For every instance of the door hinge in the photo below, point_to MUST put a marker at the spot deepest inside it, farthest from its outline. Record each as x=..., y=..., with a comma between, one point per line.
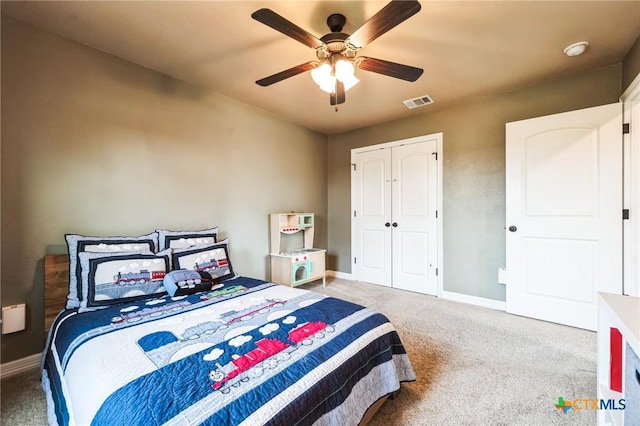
x=436, y=272
x=354, y=166
x=354, y=213
x=436, y=214
x=625, y=128
x=355, y=260
x=625, y=214
x=436, y=154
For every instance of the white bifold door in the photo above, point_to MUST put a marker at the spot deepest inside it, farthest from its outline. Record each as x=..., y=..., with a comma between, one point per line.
x=564, y=214
x=395, y=203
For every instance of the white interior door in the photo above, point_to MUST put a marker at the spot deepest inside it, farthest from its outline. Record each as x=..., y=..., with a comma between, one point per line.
x=372, y=196
x=414, y=210
x=564, y=214
x=631, y=229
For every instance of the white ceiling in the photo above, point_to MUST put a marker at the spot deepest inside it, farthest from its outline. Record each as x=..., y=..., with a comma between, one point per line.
x=466, y=48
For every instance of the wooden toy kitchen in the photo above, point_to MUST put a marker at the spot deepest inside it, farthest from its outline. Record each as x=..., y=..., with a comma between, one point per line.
x=297, y=265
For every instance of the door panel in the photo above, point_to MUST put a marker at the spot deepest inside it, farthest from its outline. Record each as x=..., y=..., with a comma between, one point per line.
x=552, y=188
x=372, y=255
x=372, y=184
x=413, y=183
x=564, y=202
x=546, y=273
x=414, y=205
x=374, y=202
x=414, y=252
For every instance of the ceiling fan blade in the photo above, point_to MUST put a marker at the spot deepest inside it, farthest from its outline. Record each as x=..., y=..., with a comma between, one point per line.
x=388, y=17
x=298, y=69
x=286, y=27
x=338, y=97
x=392, y=69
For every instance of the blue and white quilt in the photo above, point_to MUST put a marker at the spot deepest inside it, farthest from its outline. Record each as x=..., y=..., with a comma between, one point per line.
x=247, y=353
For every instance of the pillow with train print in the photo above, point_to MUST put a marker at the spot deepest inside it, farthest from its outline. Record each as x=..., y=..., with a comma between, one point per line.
x=185, y=239
x=77, y=244
x=122, y=277
x=213, y=258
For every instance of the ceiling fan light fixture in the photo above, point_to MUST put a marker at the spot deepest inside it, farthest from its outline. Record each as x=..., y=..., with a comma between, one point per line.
x=349, y=82
x=321, y=75
x=325, y=78
x=344, y=69
x=329, y=86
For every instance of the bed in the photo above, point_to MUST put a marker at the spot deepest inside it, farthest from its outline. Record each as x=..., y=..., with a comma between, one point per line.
x=242, y=351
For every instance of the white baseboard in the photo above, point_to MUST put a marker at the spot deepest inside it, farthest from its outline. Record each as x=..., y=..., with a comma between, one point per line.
x=447, y=295
x=338, y=274
x=12, y=368
x=474, y=300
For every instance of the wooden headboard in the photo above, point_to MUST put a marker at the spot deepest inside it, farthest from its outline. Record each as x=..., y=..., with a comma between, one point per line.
x=56, y=287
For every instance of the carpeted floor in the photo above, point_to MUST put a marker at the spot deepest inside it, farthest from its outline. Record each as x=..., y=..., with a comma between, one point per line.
x=474, y=366
x=479, y=366
x=22, y=400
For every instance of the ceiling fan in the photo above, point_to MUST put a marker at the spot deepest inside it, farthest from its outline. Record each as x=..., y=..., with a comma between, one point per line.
x=337, y=51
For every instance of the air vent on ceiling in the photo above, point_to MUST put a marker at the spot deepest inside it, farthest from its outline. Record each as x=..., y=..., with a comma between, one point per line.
x=418, y=102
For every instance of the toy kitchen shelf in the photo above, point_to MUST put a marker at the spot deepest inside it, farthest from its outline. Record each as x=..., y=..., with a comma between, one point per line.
x=300, y=265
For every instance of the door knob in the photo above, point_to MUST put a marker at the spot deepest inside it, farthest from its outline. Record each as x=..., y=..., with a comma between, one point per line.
x=513, y=228
x=387, y=224
x=394, y=224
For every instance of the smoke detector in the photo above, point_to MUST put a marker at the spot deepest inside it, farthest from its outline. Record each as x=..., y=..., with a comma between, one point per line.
x=576, y=49
x=418, y=102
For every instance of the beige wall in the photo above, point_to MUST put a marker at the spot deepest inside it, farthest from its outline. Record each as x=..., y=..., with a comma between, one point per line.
x=96, y=145
x=631, y=65
x=474, y=172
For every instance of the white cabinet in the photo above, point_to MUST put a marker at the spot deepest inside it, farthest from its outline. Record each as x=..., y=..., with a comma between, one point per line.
x=299, y=265
x=395, y=214
x=618, y=359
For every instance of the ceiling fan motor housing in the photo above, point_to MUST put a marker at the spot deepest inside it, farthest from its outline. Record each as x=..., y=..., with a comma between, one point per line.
x=334, y=42
x=336, y=22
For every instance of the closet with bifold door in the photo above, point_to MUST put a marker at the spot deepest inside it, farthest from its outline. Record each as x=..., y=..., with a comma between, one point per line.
x=395, y=191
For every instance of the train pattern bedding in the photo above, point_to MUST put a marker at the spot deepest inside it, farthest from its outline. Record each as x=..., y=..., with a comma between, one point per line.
x=245, y=352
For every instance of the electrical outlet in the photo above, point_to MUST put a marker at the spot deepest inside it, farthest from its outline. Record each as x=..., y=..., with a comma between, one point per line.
x=13, y=318
x=502, y=276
